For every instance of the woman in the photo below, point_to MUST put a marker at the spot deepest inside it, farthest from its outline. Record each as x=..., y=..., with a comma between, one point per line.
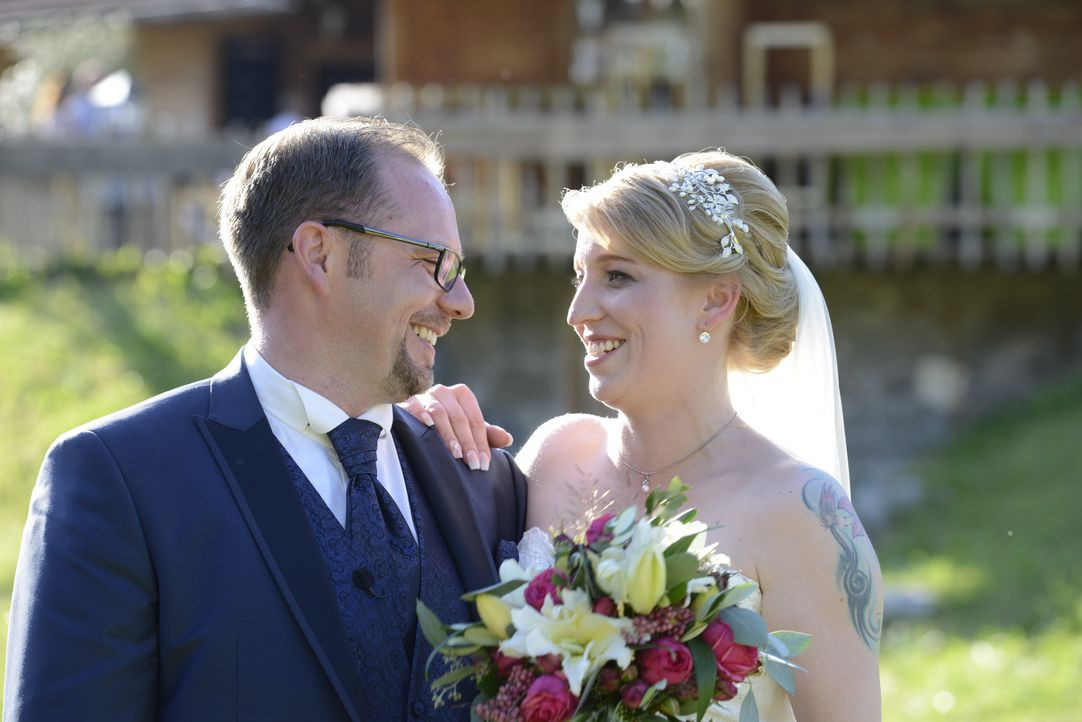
x=686, y=288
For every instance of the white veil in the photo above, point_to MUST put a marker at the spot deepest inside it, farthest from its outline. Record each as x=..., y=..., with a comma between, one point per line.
x=797, y=405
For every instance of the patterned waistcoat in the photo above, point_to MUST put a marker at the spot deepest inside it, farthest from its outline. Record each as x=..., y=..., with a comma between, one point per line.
x=389, y=651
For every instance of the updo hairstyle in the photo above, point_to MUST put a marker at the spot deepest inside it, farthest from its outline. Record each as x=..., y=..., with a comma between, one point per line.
x=636, y=206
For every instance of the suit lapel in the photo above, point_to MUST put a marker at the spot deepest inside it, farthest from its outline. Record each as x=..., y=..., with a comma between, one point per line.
x=239, y=436
x=443, y=483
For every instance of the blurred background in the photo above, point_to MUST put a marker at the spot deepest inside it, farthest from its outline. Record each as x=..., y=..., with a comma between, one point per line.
x=930, y=151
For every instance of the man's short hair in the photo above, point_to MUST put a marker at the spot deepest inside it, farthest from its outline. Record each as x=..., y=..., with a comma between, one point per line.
x=319, y=168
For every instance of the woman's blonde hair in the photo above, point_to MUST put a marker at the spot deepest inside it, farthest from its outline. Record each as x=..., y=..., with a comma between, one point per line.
x=636, y=205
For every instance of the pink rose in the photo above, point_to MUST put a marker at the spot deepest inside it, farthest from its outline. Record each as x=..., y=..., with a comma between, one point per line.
x=631, y=695
x=666, y=659
x=549, y=699
x=596, y=531
x=605, y=606
x=545, y=584
x=735, y=661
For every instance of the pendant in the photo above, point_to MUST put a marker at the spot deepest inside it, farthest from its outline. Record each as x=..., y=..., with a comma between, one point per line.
x=646, y=485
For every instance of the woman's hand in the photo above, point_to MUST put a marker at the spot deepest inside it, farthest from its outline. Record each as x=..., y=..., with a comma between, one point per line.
x=453, y=410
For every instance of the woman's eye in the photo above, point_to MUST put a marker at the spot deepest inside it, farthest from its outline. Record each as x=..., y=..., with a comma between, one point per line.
x=576, y=280
x=618, y=276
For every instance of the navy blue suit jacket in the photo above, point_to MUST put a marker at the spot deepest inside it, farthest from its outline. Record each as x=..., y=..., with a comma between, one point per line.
x=168, y=570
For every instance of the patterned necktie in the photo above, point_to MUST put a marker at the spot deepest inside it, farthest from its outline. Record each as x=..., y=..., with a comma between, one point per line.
x=373, y=520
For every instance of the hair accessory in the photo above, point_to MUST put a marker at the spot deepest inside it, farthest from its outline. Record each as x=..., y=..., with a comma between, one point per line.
x=706, y=188
x=704, y=337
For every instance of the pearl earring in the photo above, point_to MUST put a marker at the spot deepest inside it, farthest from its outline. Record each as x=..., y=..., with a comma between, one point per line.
x=704, y=337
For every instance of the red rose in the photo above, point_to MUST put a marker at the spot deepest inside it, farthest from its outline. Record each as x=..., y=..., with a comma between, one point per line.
x=550, y=663
x=549, y=699
x=596, y=532
x=667, y=659
x=724, y=689
x=631, y=695
x=605, y=606
x=735, y=661
x=608, y=679
x=544, y=585
x=504, y=664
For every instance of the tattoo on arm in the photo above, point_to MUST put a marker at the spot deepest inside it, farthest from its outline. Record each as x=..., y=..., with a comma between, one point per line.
x=856, y=560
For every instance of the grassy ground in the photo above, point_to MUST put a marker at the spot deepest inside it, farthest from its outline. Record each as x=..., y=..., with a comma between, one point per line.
x=997, y=540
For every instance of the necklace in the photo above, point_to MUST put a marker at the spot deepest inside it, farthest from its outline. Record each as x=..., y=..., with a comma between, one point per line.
x=647, y=474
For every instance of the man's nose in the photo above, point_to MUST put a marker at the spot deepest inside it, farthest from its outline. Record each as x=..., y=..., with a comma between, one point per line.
x=458, y=302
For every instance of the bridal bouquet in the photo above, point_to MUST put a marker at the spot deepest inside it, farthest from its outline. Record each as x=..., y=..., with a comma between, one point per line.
x=638, y=620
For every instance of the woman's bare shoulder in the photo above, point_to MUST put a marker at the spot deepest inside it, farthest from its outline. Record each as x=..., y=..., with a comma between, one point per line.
x=568, y=440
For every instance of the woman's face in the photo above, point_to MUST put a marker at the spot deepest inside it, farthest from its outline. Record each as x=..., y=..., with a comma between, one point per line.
x=639, y=325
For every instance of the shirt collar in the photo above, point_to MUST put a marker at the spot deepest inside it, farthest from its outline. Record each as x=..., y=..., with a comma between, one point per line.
x=299, y=406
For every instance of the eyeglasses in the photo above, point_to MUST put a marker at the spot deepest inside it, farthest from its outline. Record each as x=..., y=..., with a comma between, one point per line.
x=449, y=265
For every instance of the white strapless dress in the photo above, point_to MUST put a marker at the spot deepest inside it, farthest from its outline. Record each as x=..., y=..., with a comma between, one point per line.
x=536, y=550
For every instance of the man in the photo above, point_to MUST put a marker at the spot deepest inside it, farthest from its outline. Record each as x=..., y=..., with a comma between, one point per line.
x=253, y=546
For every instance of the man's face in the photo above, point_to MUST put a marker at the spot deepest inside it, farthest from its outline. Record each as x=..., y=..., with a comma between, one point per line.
x=393, y=311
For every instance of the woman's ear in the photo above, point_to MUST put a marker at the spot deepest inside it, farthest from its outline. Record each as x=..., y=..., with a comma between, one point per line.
x=311, y=250
x=722, y=298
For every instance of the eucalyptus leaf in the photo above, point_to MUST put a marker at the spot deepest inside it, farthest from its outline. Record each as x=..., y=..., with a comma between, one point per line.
x=706, y=674
x=749, y=710
x=431, y=627
x=748, y=627
x=781, y=673
x=737, y=593
x=496, y=590
x=795, y=642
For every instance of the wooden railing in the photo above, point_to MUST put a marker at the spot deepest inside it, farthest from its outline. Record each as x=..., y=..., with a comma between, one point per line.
x=886, y=177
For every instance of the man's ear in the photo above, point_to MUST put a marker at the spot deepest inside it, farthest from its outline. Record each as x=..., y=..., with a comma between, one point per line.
x=722, y=298
x=312, y=247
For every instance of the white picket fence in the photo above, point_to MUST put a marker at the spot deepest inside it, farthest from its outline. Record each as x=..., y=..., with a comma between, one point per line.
x=887, y=177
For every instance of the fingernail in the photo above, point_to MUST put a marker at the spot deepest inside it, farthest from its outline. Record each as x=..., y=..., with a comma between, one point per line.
x=456, y=450
x=426, y=419
x=485, y=461
x=471, y=460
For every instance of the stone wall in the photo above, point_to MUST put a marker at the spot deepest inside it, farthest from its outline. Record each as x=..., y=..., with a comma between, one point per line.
x=921, y=355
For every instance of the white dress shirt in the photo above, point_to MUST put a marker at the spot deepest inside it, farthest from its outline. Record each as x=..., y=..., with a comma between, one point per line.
x=300, y=419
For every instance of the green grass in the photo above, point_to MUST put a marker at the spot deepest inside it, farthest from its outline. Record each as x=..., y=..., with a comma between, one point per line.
x=999, y=542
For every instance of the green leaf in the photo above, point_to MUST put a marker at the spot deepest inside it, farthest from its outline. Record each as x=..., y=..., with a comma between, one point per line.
x=688, y=516
x=680, y=569
x=497, y=590
x=736, y=594
x=431, y=627
x=795, y=642
x=748, y=627
x=780, y=673
x=479, y=634
x=681, y=545
x=456, y=675
x=652, y=692
x=706, y=674
x=749, y=710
